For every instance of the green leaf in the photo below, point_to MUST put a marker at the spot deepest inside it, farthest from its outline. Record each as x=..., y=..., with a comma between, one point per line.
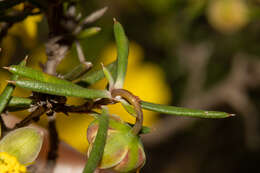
x=6, y=94
x=36, y=75
x=144, y=130
x=108, y=76
x=99, y=144
x=129, y=108
x=94, y=76
x=61, y=89
x=179, y=111
x=78, y=71
x=122, y=53
x=88, y=32
x=18, y=103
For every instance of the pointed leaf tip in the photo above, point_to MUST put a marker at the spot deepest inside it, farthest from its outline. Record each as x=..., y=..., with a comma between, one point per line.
x=180, y=111
x=122, y=53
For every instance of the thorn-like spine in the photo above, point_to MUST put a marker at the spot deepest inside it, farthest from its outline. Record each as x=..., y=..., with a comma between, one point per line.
x=7, y=68
x=11, y=82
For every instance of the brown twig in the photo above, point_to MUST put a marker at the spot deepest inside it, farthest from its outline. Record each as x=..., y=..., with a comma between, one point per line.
x=56, y=48
x=54, y=144
x=40, y=110
x=80, y=52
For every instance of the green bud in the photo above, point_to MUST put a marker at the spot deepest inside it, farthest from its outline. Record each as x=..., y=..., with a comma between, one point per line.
x=123, y=150
x=23, y=143
x=88, y=32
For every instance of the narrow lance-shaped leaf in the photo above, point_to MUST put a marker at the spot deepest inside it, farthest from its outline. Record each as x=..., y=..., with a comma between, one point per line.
x=122, y=53
x=88, y=32
x=78, y=71
x=35, y=74
x=108, y=76
x=179, y=111
x=99, y=144
x=94, y=76
x=6, y=94
x=61, y=89
x=18, y=103
x=129, y=108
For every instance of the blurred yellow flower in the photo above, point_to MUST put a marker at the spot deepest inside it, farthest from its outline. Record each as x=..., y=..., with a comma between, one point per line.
x=8, y=46
x=146, y=80
x=9, y=164
x=27, y=30
x=29, y=25
x=228, y=16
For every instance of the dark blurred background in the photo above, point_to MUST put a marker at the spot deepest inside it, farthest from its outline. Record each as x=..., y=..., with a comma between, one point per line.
x=209, y=53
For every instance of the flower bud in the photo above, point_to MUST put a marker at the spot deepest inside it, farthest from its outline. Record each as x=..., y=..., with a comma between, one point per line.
x=23, y=143
x=228, y=16
x=123, y=150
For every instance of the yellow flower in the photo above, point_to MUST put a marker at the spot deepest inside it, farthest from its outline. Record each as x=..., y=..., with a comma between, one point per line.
x=9, y=164
x=9, y=47
x=145, y=80
x=29, y=25
x=27, y=30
